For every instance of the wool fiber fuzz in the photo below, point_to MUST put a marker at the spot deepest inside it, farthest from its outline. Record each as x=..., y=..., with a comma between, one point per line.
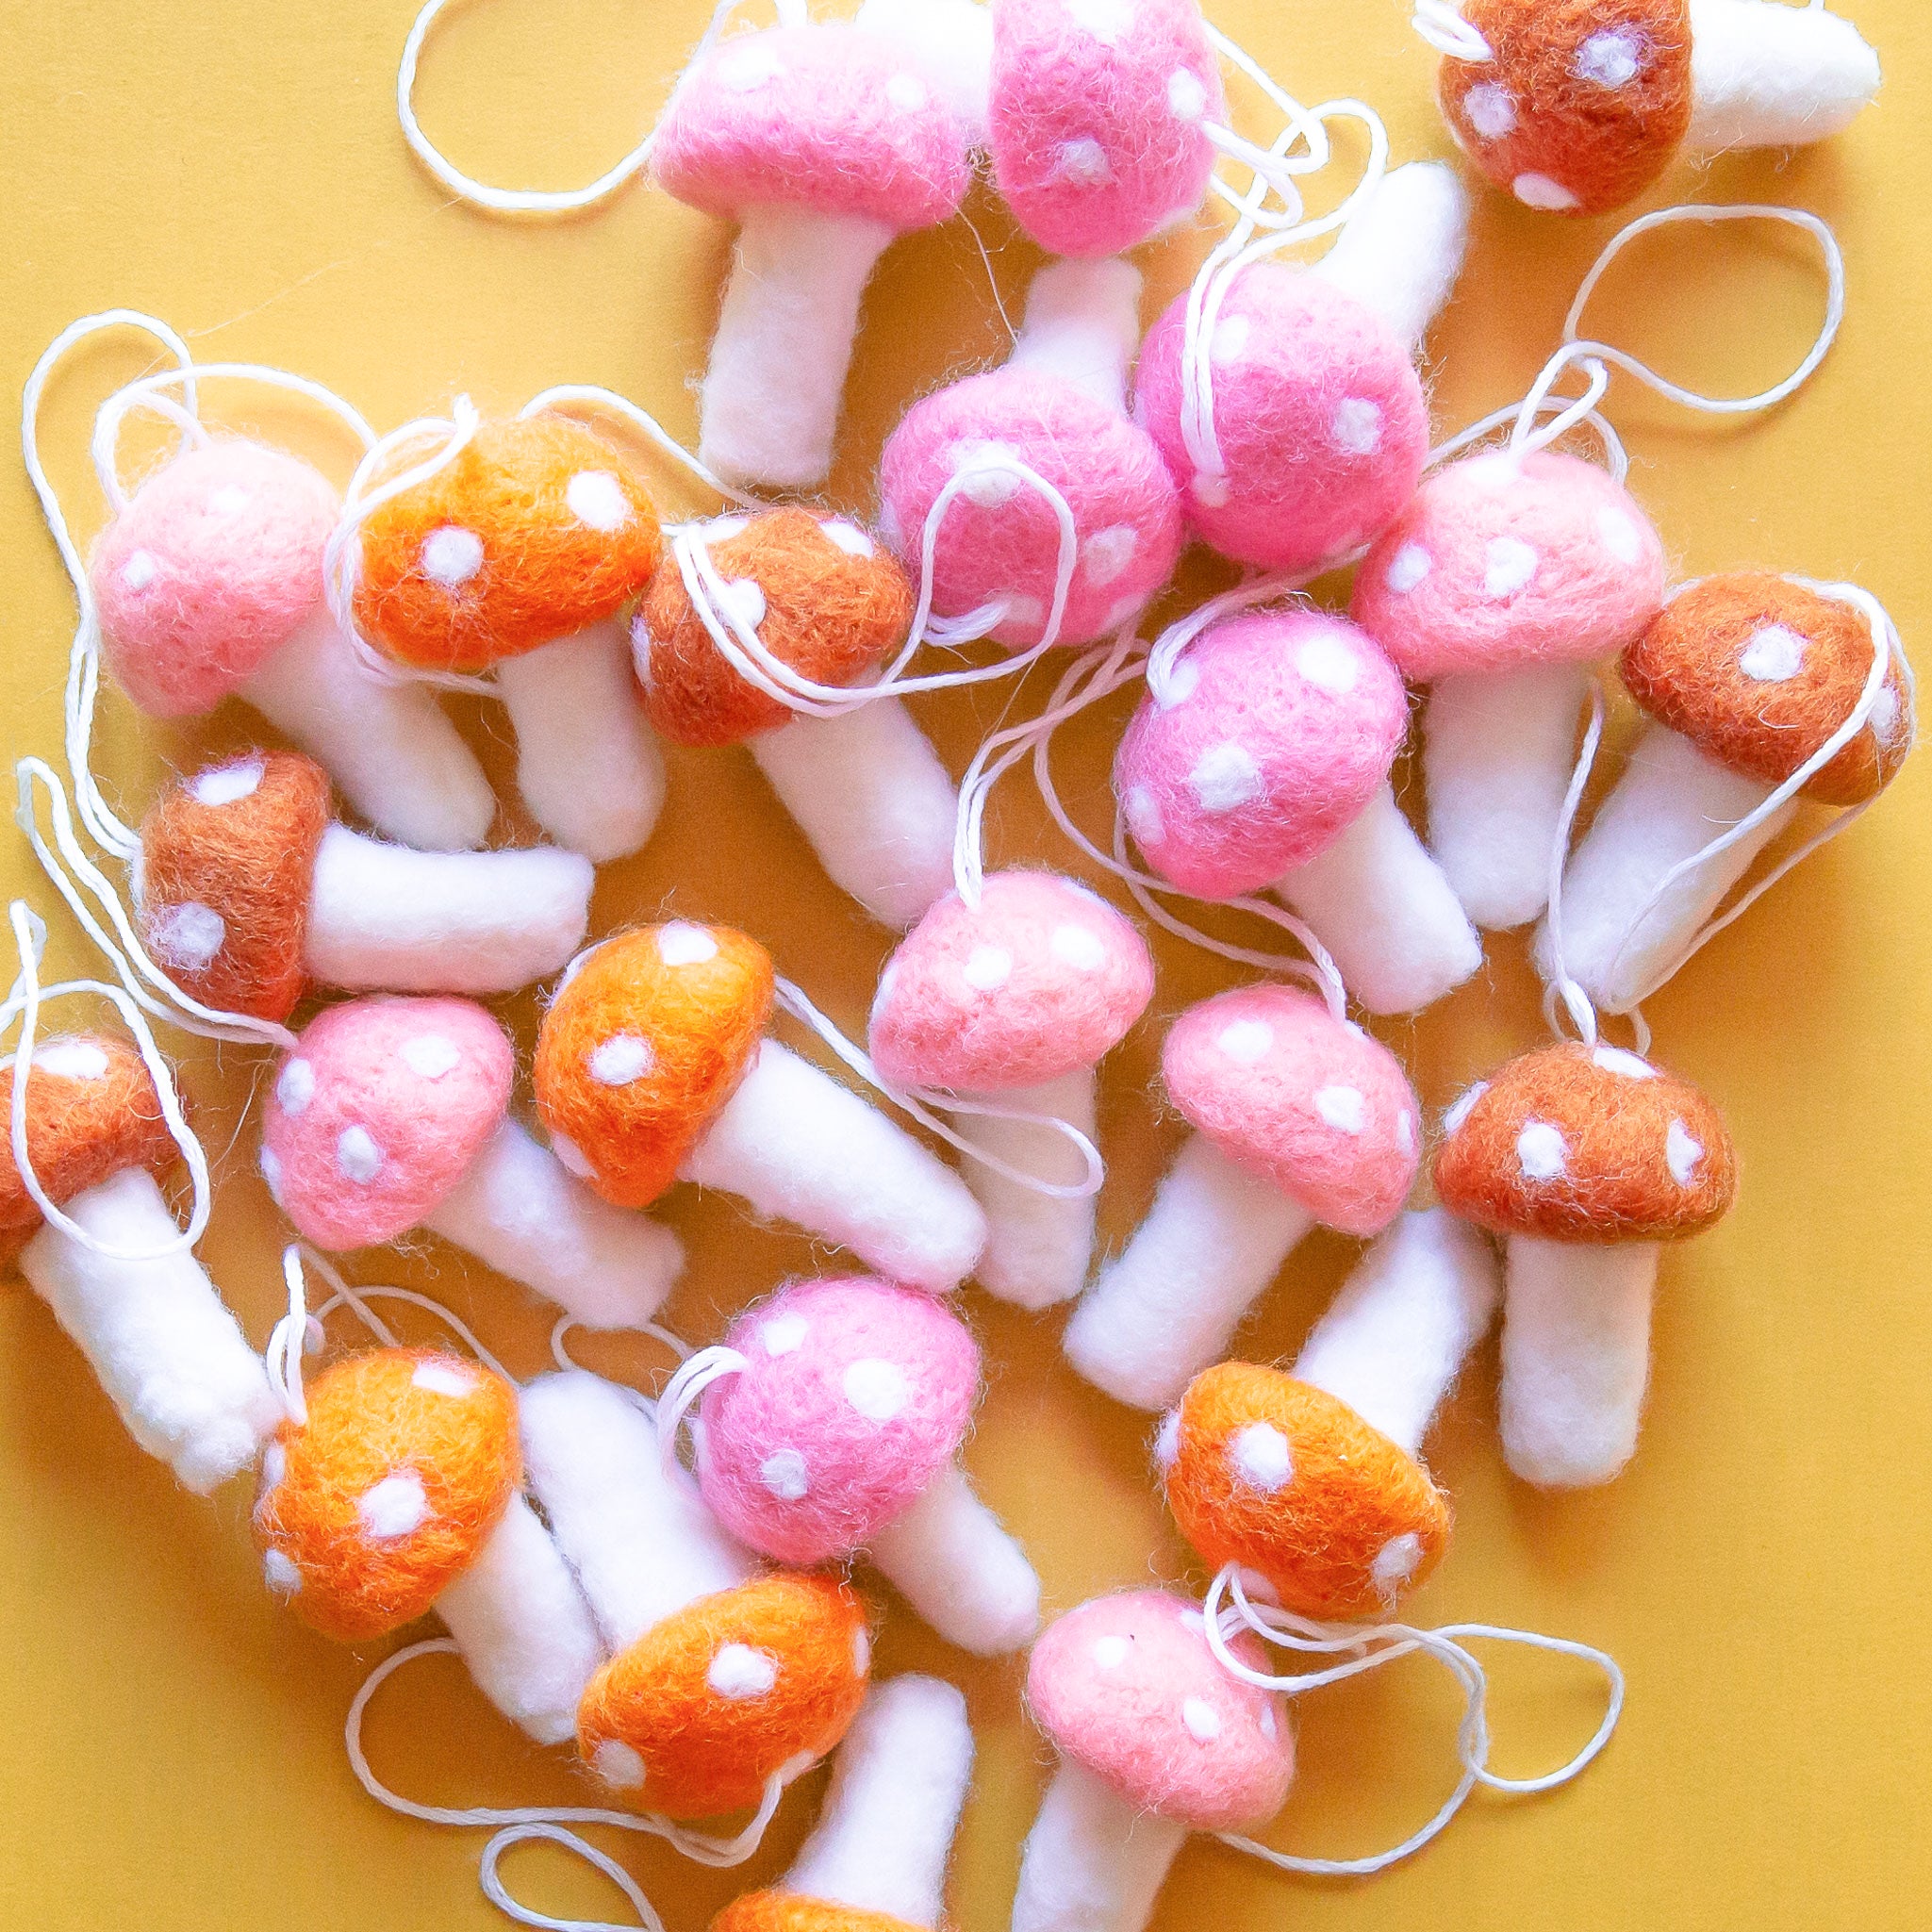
x=793, y=1911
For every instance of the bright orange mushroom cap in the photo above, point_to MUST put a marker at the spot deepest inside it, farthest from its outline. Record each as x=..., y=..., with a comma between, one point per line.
x=792, y=1912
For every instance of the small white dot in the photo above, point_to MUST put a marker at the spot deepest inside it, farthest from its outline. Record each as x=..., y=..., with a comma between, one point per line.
x=1540, y=191
x=745, y=69
x=1183, y=681
x=1614, y=1059
x=1609, y=58
x=620, y=1060
x=682, y=944
x=987, y=968
x=270, y=1164
x=444, y=1379
x=1684, y=1153
x=1080, y=948
x=430, y=1056
x=1267, y=1719
x=1188, y=99
x=1020, y=610
x=1773, y=655
x=1408, y=567
x=187, y=935
x=1167, y=1441
x=744, y=601
x=722, y=529
x=1344, y=1109
x=1247, y=1041
x=1110, y=1653
x=280, y=1574
x=1395, y=1562
x=1193, y=1623
x=1404, y=1131
x=70, y=1060
x=862, y=1651
x=849, y=538
x=597, y=497
x=906, y=93
x=228, y=785
x=295, y=1087
x=229, y=501
x=784, y=1474
x=1083, y=161
x=1107, y=20
x=1230, y=340
x=1540, y=1151
x=451, y=556
x=1491, y=112
x=1885, y=715
x=395, y=1507
x=877, y=1389
x=782, y=1333
x=139, y=571
x=618, y=1764
x=1462, y=1105
x=1107, y=553
x=1144, y=816
x=740, y=1672
x=985, y=472
x=1328, y=664
x=570, y=1157
x=1509, y=565
x=1357, y=426
x=1226, y=777
x=1261, y=1457
x=1209, y=491
x=274, y=1466
x=357, y=1156
x=1621, y=535
x=1201, y=1719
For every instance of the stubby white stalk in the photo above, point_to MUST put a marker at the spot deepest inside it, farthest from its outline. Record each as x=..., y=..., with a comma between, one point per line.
x=1401, y=251
x=1093, y=1862
x=1082, y=326
x=1769, y=75
x=961, y=1569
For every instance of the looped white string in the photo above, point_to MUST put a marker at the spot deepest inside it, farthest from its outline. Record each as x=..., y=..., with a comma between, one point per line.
x=567, y=1361
x=683, y=1394
x=1441, y=23
x=500, y=1896
x=1367, y=1647
x=1578, y=412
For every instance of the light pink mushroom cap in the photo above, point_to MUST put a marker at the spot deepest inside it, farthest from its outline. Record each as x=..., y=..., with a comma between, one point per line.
x=825, y=117
x=212, y=567
x=379, y=1113
x=1284, y=727
x=1501, y=562
x=1043, y=979
x=1097, y=110
x=1127, y=1687
x=1304, y=1099
x=855, y=1395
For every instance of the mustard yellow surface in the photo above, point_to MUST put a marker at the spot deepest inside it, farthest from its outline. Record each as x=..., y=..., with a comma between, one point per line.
x=170, y=1749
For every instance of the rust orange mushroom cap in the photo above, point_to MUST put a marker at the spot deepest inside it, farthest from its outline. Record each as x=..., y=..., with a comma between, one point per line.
x=776, y=1910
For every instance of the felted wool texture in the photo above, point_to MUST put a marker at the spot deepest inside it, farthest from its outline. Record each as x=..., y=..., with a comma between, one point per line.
x=539, y=527
x=1042, y=979
x=1000, y=538
x=821, y=596
x=1318, y=412
x=1285, y=727
x=212, y=568
x=1503, y=561
x=825, y=117
x=709, y=1703
x=644, y=1043
x=855, y=1396
x=1126, y=1686
x=1590, y=1145
x=791, y=1911
x=1779, y=78
x=1759, y=672
x=378, y=1111
x=405, y=1465
x=960, y=1569
x=227, y=858
x=1304, y=1099
x=1283, y=1478
x=1584, y=104
x=1096, y=118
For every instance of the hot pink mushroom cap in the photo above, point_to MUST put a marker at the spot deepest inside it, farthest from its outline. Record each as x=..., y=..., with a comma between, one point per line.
x=1306, y=1100
x=1318, y=413
x=1097, y=139
x=1127, y=1687
x=1282, y=726
x=855, y=1394
x=1042, y=979
x=212, y=568
x=1503, y=562
x=379, y=1113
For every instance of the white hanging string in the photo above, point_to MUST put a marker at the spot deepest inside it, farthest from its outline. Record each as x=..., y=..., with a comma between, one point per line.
x=498, y=1894
x=567, y=1361
x=1441, y=23
x=595, y=398
x=683, y=1394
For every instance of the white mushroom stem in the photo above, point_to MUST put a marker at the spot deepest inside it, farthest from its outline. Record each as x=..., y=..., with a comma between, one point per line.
x=1576, y=1358
x=523, y=1626
x=384, y=916
x=640, y=1542
x=389, y=747
x=951, y=41
x=1671, y=802
x=885, y=1832
x=588, y=764
x=171, y=1357
x=800, y=1147
x=1038, y=1246
x=1401, y=252
x=961, y=1569
x=1385, y=911
x=1082, y=325
x=1167, y=1308
x=517, y=1209
x=875, y=803
x=1770, y=75
x=1498, y=751
x=769, y=405
x=1092, y=1863
x=1395, y=1337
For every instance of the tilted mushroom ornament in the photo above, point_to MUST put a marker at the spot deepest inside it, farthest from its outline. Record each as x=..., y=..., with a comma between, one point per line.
x=1584, y=1159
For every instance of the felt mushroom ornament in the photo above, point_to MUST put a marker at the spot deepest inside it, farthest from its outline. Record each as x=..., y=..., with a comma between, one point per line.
x=1298, y=1117
x=392, y=1113
x=653, y=1066
x=1579, y=106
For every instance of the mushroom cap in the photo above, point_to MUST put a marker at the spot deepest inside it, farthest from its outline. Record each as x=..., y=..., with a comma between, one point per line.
x=1289, y=1481
x=388, y=1492
x=1586, y=1144
x=379, y=1113
x=710, y=1702
x=91, y=1109
x=1503, y=562
x=1096, y=118
x=1043, y=979
x=227, y=859
x=1127, y=1687
x=1306, y=1100
x=1760, y=671
x=855, y=1395
x=210, y=568
x=1286, y=725
x=1001, y=536
x=774, y=1910
x=1318, y=411
x=537, y=529
x=1582, y=105
x=824, y=117
x=822, y=597
x=646, y=1038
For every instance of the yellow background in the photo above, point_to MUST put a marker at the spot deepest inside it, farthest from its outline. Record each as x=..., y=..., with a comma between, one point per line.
x=169, y=1743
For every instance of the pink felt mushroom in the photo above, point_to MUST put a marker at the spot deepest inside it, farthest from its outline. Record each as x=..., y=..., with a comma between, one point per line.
x=1261, y=758
x=1017, y=999
x=840, y=1430
x=1301, y=1118
x=1058, y=408
x=392, y=1115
